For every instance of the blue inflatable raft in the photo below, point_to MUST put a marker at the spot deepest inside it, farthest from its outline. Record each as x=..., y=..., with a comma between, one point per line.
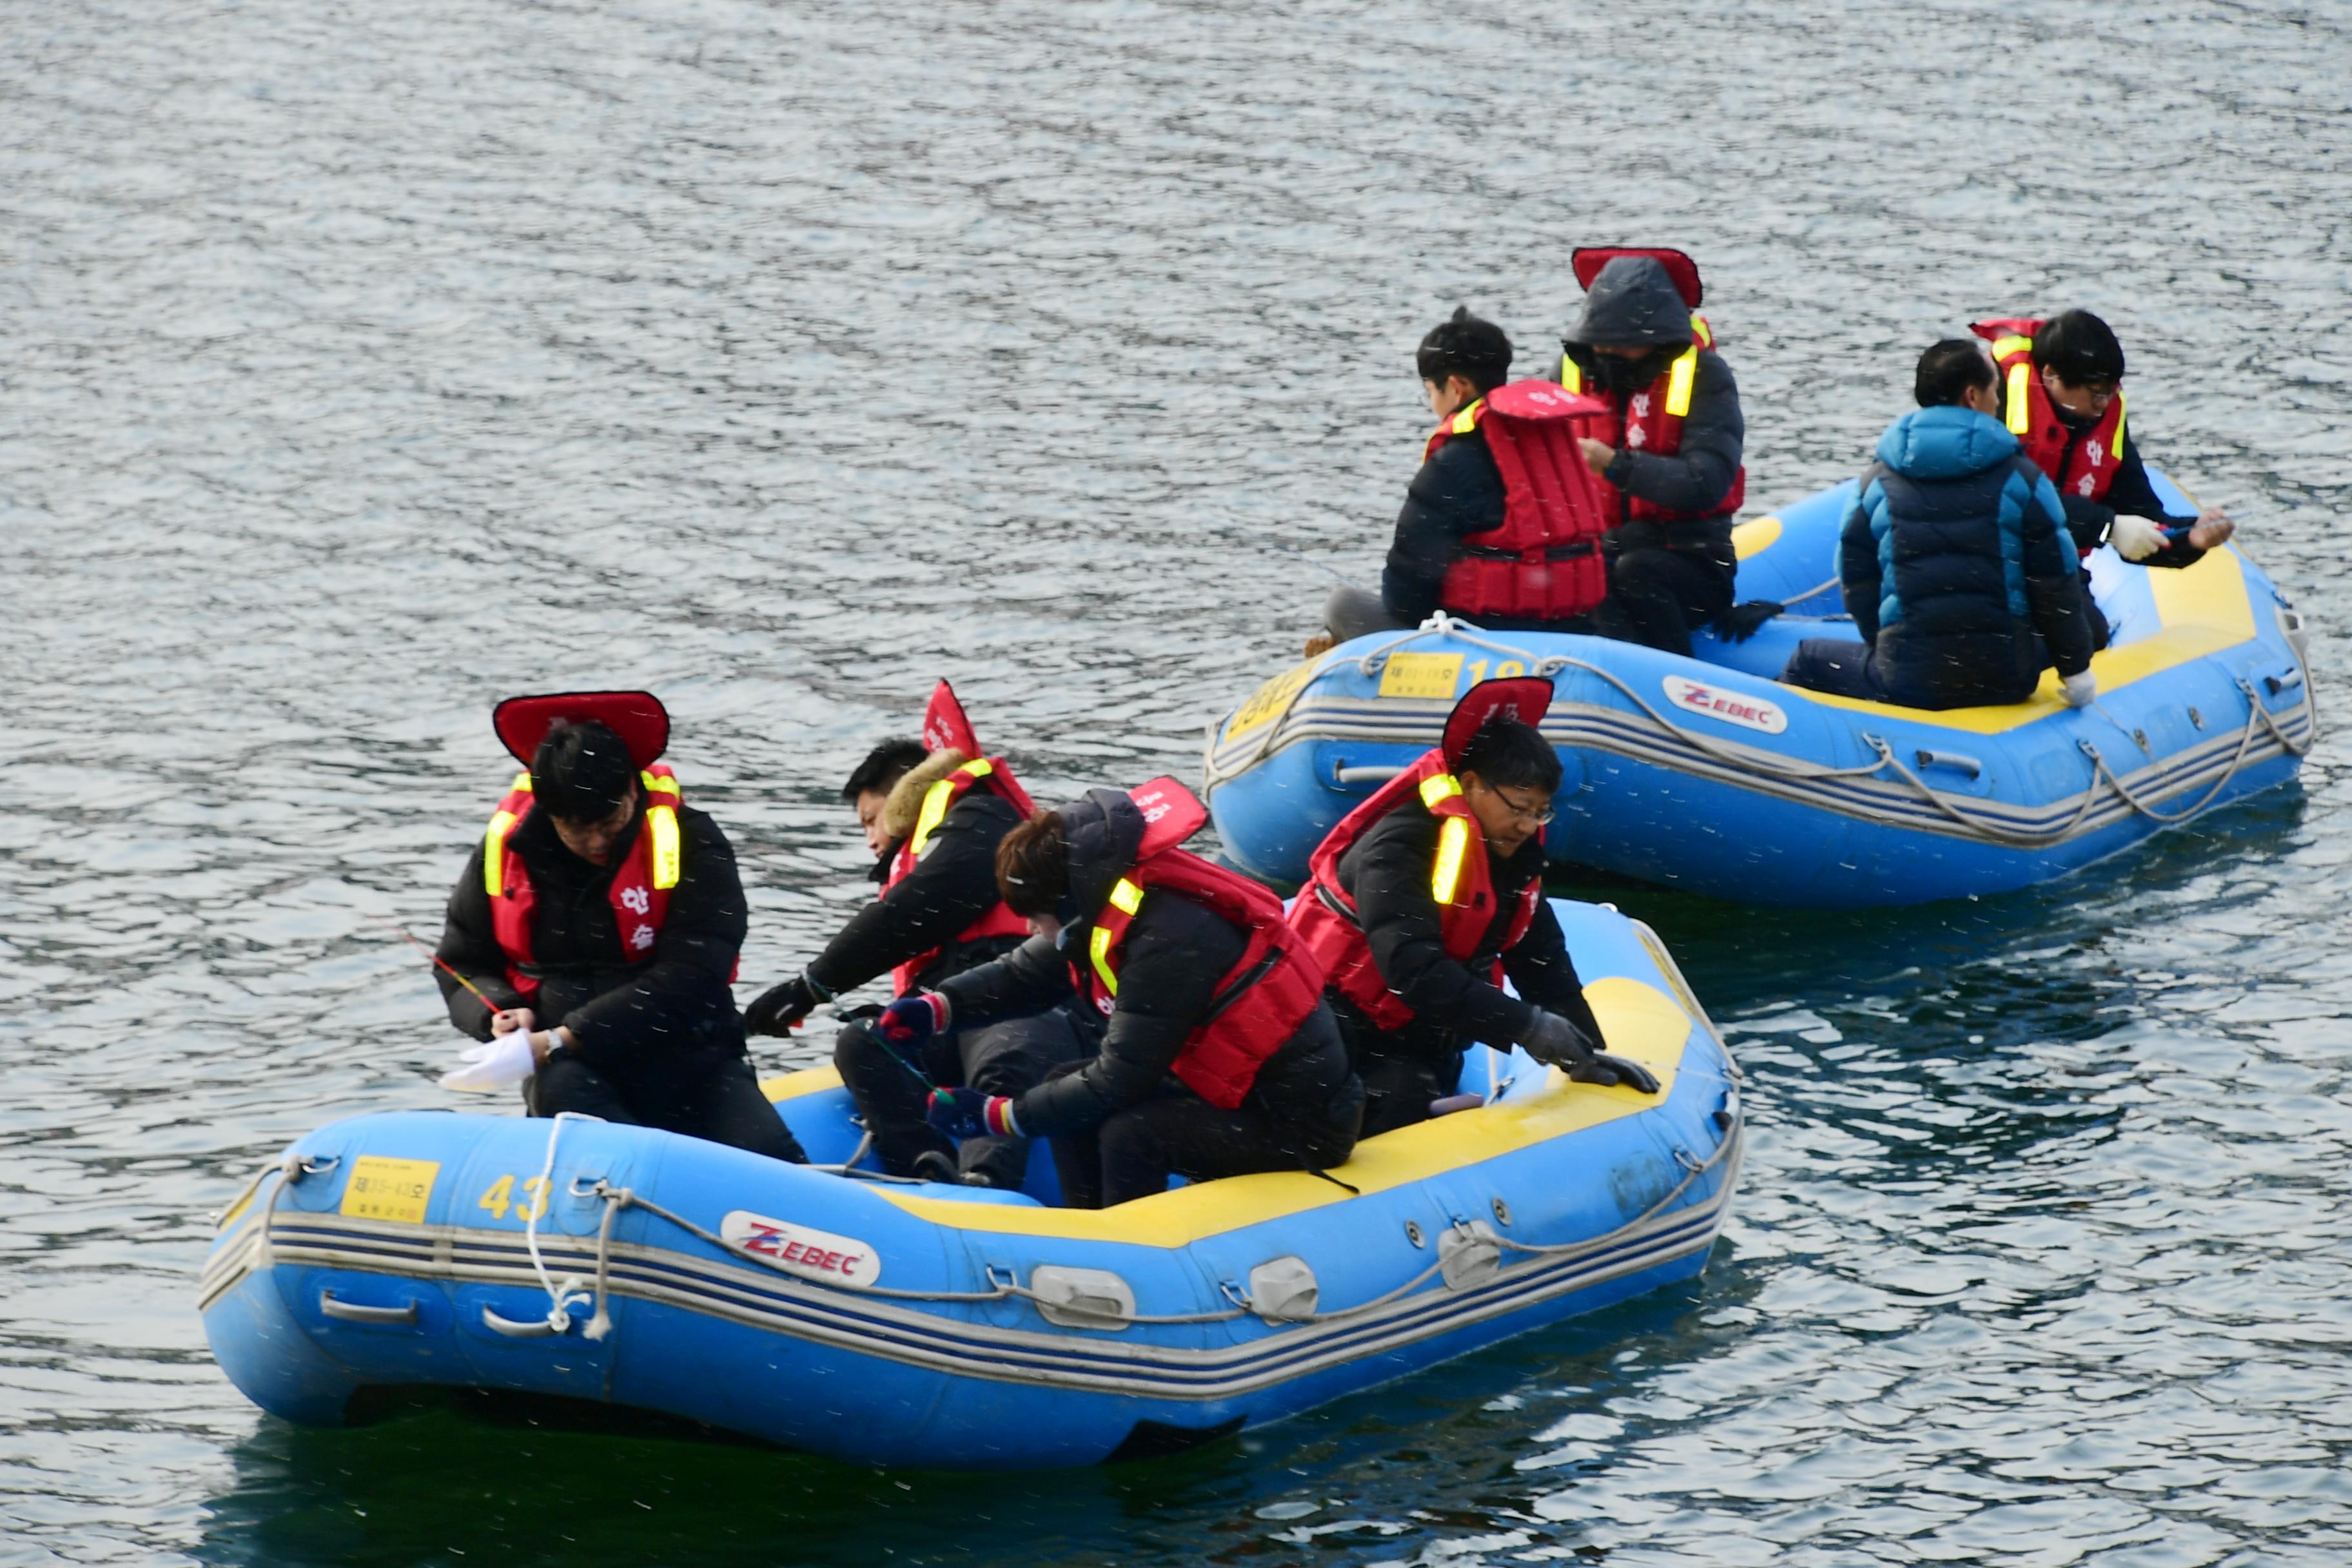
x=943, y=1326
x=1703, y=774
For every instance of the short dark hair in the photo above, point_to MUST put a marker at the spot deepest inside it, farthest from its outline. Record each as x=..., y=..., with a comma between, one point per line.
x=1507, y=755
x=582, y=772
x=884, y=767
x=1033, y=866
x=1950, y=370
x=1465, y=346
x=2079, y=347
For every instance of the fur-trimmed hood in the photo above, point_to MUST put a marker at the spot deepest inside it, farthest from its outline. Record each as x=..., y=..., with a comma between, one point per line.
x=904, y=804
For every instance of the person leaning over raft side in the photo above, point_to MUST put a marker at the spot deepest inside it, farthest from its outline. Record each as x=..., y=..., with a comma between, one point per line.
x=934, y=812
x=2062, y=399
x=1676, y=432
x=1500, y=526
x=605, y=914
x=1954, y=557
x=1217, y=1055
x=1425, y=896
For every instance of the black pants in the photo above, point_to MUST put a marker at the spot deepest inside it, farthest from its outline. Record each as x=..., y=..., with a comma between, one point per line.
x=708, y=1095
x=1656, y=596
x=1399, y=1085
x=1854, y=669
x=1179, y=1133
x=1003, y=1057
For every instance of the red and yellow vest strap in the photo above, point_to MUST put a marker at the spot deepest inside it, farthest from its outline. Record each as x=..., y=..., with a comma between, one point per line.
x=940, y=797
x=1110, y=929
x=1442, y=793
x=502, y=823
x=662, y=799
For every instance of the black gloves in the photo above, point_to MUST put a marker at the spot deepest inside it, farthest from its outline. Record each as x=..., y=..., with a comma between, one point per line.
x=780, y=1006
x=1739, y=622
x=1556, y=1042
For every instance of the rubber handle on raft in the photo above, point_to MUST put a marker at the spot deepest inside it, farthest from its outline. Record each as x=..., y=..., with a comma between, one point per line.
x=353, y=1312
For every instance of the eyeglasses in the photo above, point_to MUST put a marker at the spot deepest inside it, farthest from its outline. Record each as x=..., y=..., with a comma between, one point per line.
x=1541, y=815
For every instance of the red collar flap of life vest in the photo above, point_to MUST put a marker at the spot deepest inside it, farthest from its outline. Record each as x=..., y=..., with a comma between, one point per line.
x=2001, y=327
x=1171, y=814
x=1524, y=698
x=1542, y=400
x=1590, y=259
x=637, y=717
x=945, y=728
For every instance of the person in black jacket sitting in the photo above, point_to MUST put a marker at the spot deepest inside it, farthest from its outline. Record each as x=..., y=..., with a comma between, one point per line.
x=1198, y=1071
x=603, y=916
x=938, y=914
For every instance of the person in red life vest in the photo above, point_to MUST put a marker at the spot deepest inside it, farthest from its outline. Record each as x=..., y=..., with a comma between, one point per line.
x=1215, y=1055
x=1425, y=896
x=934, y=811
x=2062, y=397
x=604, y=915
x=1502, y=525
x=1669, y=448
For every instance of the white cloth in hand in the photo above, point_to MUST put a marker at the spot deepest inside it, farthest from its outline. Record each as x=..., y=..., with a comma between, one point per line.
x=501, y=1064
x=2079, y=689
x=2136, y=538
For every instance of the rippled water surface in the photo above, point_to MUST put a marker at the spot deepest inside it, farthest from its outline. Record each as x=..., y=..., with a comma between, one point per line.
x=361, y=363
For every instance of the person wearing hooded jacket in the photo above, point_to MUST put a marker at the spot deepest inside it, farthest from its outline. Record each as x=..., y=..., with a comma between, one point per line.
x=1671, y=448
x=642, y=1031
x=1176, y=1029
x=1955, y=560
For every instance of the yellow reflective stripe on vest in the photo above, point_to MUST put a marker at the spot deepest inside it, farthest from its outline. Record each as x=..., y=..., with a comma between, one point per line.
x=935, y=806
x=2020, y=419
x=1437, y=787
x=1466, y=421
x=657, y=785
x=1678, y=384
x=661, y=821
x=494, y=841
x=1453, y=848
x=2004, y=347
x=1701, y=332
x=2118, y=447
x=1127, y=898
x=1571, y=379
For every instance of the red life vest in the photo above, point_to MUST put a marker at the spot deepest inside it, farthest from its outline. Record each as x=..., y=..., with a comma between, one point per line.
x=641, y=883
x=1652, y=421
x=1460, y=881
x=2033, y=420
x=1261, y=1001
x=989, y=772
x=1541, y=564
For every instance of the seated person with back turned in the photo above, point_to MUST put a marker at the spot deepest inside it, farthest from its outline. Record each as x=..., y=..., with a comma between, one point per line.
x=601, y=903
x=1502, y=524
x=2062, y=398
x=1956, y=562
x=1425, y=896
x=934, y=812
x=1217, y=1056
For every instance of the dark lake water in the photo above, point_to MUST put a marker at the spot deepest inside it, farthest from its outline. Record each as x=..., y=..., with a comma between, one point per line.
x=362, y=363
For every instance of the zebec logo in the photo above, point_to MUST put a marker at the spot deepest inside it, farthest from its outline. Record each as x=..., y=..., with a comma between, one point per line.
x=1731, y=706
x=802, y=1250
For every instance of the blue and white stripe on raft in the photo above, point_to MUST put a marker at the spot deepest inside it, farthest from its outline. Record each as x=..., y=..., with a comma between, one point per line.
x=1703, y=773
x=943, y=1326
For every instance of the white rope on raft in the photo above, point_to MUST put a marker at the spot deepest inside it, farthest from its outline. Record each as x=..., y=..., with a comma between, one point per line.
x=1747, y=760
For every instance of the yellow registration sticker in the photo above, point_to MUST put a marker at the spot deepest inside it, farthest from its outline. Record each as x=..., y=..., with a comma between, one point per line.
x=1427, y=674
x=1270, y=700
x=390, y=1189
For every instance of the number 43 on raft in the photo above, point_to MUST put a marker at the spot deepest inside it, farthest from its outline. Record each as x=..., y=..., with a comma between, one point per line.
x=500, y=1196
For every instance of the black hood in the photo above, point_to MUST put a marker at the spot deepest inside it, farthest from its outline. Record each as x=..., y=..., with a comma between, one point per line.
x=1633, y=304
x=1103, y=833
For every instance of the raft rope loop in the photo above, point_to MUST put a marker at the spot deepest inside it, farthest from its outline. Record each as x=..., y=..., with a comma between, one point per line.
x=560, y=1293
x=1006, y=1289
x=1747, y=760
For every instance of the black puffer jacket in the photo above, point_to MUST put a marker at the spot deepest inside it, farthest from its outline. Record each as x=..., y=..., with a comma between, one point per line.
x=1176, y=954
x=625, y=1017
x=953, y=885
x=1386, y=874
x=1633, y=303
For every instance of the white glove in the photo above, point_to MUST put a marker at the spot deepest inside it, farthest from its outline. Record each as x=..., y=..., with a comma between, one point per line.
x=2080, y=688
x=2135, y=538
x=501, y=1064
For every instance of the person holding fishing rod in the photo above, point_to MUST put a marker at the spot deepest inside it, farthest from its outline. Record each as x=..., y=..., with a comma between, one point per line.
x=934, y=812
x=591, y=942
